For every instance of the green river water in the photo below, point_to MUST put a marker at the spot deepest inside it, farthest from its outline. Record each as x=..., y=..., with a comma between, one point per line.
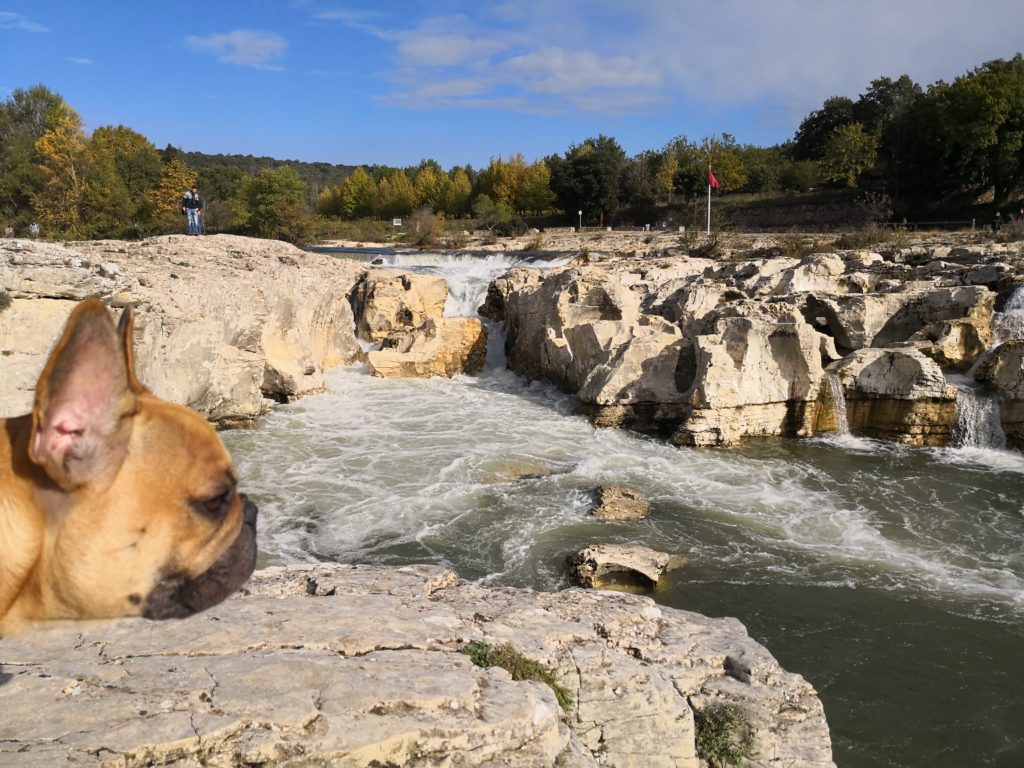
x=891, y=578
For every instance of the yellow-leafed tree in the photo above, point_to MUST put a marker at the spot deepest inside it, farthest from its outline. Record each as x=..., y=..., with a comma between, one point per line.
x=63, y=157
x=165, y=199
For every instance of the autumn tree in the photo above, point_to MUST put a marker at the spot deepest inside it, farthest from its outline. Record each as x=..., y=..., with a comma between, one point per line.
x=165, y=199
x=457, y=193
x=63, y=161
x=124, y=167
x=429, y=188
x=358, y=195
x=395, y=195
x=720, y=153
x=25, y=116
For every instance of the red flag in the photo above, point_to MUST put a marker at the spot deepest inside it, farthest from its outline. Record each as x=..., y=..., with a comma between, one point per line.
x=712, y=180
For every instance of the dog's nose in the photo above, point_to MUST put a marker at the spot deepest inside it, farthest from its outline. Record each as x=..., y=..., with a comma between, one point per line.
x=249, y=510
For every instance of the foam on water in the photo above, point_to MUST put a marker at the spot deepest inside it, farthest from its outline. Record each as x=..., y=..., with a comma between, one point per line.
x=492, y=477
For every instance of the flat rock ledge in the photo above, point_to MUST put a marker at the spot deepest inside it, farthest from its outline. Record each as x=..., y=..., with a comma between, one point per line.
x=360, y=665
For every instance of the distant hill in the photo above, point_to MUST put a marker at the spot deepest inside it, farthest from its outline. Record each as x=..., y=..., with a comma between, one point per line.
x=317, y=175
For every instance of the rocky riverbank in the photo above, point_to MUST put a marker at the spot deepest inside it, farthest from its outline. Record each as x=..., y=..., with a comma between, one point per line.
x=706, y=349
x=359, y=665
x=750, y=343
x=226, y=325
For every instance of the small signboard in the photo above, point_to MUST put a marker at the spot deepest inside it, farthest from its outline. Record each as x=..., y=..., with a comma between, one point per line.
x=396, y=222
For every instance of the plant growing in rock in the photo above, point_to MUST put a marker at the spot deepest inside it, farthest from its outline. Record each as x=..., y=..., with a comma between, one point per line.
x=519, y=667
x=535, y=243
x=5, y=300
x=723, y=734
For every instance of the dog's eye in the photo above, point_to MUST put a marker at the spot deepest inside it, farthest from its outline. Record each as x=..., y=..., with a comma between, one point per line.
x=217, y=506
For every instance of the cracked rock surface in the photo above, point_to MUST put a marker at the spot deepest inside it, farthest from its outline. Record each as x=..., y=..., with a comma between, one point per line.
x=360, y=665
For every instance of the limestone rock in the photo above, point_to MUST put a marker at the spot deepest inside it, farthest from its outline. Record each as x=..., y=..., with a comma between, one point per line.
x=388, y=303
x=226, y=325
x=617, y=502
x=610, y=565
x=347, y=665
x=714, y=352
x=444, y=347
x=754, y=377
x=897, y=394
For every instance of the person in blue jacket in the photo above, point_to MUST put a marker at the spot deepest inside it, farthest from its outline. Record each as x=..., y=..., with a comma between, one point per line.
x=192, y=206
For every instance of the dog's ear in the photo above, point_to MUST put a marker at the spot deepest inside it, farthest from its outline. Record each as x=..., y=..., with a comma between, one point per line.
x=79, y=425
x=125, y=332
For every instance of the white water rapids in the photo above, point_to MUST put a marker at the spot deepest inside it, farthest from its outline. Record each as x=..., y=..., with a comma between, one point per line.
x=492, y=477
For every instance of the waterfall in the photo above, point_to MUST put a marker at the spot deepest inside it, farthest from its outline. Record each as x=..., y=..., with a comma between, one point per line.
x=838, y=403
x=1009, y=324
x=979, y=421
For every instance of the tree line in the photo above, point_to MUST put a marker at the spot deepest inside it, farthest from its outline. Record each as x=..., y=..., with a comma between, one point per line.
x=911, y=149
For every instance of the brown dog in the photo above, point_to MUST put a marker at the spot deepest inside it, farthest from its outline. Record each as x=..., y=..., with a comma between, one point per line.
x=112, y=501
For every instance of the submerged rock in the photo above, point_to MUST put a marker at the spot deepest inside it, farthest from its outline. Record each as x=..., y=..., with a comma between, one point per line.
x=617, y=502
x=357, y=665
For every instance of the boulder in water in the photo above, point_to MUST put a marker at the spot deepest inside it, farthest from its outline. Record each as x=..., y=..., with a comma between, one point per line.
x=443, y=347
x=897, y=394
x=617, y=502
x=388, y=304
x=603, y=566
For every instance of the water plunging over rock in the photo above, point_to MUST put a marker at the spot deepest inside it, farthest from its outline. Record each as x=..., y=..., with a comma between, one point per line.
x=979, y=421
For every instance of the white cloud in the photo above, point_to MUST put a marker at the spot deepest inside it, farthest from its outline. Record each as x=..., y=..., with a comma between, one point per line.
x=244, y=47
x=10, y=20
x=79, y=60
x=602, y=56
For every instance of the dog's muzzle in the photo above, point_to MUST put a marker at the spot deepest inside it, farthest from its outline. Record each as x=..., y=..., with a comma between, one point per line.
x=176, y=596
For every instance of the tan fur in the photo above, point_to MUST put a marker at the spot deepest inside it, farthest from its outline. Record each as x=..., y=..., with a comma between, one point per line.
x=103, y=489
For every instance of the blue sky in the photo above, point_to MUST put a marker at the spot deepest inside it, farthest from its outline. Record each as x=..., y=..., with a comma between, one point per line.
x=461, y=82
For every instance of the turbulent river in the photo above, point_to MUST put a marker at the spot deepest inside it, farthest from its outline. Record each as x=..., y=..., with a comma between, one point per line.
x=890, y=577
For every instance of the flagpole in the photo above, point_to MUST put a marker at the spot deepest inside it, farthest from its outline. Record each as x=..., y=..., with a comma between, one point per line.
x=709, y=199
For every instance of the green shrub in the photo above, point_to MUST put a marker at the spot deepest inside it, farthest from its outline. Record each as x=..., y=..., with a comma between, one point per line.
x=535, y=244
x=5, y=300
x=425, y=228
x=698, y=245
x=519, y=667
x=723, y=734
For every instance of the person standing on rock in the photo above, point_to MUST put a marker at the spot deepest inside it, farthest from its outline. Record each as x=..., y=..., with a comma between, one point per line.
x=192, y=206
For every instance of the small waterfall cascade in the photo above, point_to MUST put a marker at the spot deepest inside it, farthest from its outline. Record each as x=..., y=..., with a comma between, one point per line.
x=1009, y=324
x=838, y=402
x=979, y=422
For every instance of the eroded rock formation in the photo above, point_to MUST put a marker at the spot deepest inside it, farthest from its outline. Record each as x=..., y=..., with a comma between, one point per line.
x=715, y=351
x=444, y=346
x=228, y=325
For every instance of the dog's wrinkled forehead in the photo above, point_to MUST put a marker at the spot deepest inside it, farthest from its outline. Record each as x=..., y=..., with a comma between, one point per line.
x=184, y=440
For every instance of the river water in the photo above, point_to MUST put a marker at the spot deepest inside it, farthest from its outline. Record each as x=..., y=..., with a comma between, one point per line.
x=890, y=577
